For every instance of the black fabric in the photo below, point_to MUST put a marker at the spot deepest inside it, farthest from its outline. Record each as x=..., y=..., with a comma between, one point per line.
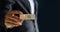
x=15, y=6
x=26, y=4
x=2, y=14
x=17, y=29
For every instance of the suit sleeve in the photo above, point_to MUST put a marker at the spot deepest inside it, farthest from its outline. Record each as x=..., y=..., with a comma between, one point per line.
x=5, y=6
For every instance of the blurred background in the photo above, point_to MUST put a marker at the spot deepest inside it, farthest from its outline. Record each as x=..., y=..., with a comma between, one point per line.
x=43, y=15
x=49, y=15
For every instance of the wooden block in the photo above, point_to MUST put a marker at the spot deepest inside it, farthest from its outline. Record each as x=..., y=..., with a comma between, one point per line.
x=27, y=16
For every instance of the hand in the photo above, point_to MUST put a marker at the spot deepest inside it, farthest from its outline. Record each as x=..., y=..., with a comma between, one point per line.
x=12, y=19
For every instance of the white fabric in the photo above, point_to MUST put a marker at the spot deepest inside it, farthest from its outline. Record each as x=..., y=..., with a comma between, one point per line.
x=32, y=6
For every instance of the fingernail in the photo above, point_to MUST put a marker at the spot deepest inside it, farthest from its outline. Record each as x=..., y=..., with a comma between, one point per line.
x=20, y=23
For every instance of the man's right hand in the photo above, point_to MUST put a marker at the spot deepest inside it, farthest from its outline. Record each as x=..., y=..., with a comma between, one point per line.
x=11, y=20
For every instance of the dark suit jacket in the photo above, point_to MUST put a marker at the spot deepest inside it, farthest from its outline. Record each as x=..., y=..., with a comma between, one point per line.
x=4, y=8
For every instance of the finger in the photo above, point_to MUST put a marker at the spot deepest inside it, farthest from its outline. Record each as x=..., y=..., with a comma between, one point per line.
x=17, y=12
x=11, y=22
x=13, y=19
x=20, y=21
x=9, y=25
x=16, y=17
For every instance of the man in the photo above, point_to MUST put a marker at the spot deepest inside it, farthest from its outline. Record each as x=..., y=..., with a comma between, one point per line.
x=22, y=5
